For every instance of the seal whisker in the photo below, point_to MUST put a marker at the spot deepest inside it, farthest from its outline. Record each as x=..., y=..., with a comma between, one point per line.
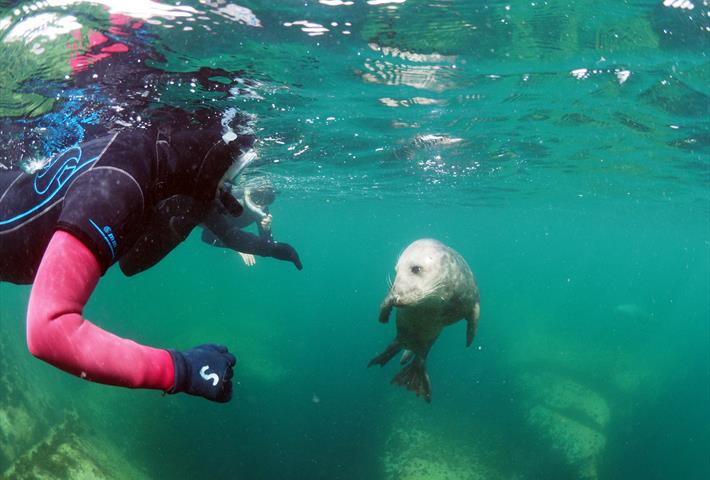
x=432, y=288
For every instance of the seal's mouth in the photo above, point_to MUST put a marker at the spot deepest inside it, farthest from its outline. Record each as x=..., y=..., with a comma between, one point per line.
x=416, y=298
x=404, y=301
x=399, y=303
x=394, y=300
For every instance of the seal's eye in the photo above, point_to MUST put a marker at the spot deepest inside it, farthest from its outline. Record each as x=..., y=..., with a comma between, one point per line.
x=416, y=269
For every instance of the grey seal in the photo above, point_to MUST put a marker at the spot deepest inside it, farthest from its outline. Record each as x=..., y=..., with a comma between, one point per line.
x=433, y=288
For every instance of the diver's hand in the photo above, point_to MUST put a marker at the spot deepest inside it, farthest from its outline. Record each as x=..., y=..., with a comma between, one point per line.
x=284, y=251
x=204, y=371
x=248, y=258
x=266, y=223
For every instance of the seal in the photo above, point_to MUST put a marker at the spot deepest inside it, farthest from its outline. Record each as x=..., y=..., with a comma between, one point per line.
x=433, y=288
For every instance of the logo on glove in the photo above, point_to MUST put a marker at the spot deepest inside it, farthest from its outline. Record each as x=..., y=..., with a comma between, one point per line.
x=212, y=376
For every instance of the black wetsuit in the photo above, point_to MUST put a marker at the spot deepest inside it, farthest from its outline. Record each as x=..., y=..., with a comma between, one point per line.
x=129, y=178
x=221, y=230
x=130, y=196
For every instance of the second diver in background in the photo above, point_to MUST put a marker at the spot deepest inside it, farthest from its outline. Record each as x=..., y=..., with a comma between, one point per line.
x=226, y=231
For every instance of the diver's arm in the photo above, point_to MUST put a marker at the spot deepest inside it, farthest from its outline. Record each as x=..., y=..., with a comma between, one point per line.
x=222, y=230
x=264, y=228
x=219, y=232
x=58, y=334
x=236, y=239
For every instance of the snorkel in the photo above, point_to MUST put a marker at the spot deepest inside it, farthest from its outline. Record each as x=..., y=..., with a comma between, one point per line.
x=224, y=191
x=258, y=194
x=227, y=192
x=253, y=206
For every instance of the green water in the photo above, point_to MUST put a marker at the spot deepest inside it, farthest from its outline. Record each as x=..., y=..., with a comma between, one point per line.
x=581, y=205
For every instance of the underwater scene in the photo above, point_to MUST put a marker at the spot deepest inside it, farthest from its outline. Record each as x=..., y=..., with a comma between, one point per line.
x=560, y=147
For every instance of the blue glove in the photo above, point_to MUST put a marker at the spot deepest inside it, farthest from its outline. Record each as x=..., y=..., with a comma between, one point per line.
x=205, y=371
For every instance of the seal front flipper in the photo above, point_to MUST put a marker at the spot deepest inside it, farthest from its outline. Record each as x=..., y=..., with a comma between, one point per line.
x=386, y=308
x=384, y=357
x=414, y=377
x=472, y=323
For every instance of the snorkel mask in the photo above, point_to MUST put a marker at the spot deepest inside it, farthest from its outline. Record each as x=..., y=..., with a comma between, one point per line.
x=259, y=193
x=224, y=192
x=253, y=206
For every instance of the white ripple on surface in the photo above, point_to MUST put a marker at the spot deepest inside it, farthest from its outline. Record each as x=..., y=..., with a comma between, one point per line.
x=311, y=28
x=622, y=75
x=48, y=25
x=384, y=2
x=233, y=12
x=682, y=4
x=335, y=3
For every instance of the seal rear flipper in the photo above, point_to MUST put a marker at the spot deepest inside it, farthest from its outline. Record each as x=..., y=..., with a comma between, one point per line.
x=414, y=377
x=472, y=324
x=384, y=357
x=407, y=355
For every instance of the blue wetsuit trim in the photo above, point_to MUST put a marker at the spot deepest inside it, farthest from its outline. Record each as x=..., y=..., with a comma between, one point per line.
x=106, y=239
x=55, y=179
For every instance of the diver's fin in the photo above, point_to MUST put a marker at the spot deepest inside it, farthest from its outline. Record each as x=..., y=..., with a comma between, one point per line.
x=414, y=377
x=472, y=324
x=406, y=356
x=384, y=357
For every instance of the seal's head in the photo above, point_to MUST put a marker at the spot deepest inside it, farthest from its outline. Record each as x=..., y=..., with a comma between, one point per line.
x=420, y=274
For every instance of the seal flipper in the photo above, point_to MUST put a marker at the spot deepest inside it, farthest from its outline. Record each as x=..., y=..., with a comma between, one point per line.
x=406, y=356
x=384, y=357
x=472, y=323
x=414, y=377
x=386, y=309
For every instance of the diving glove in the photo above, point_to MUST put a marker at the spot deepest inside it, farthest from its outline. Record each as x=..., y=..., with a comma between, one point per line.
x=204, y=371
x=284, y=251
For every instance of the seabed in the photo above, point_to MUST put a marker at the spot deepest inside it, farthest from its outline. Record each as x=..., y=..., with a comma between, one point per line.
x=33, y=445
x=561, y=417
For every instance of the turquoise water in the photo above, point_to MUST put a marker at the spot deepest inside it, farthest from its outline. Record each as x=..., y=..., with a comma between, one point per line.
x=560, y=147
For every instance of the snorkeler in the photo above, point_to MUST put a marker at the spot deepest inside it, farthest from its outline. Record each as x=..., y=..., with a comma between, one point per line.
x=111, y=175
x=128, y=197
x=228, y=231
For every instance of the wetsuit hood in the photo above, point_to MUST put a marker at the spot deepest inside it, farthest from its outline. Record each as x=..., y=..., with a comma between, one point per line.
x=189, y=165
x=191, y=159
x=193, y=155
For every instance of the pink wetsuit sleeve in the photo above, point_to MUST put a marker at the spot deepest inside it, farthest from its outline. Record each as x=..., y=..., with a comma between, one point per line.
x=57, y=333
